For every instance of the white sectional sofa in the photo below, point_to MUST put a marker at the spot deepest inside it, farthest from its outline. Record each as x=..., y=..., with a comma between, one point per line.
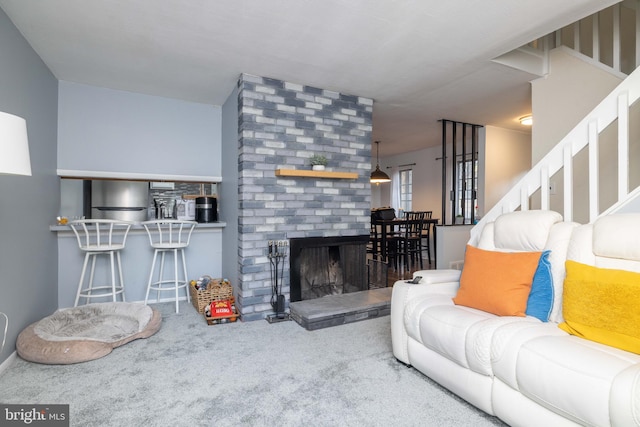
x=526, y=371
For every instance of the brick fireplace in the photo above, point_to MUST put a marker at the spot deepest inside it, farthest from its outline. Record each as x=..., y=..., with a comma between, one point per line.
x=322, y=266
x=280, y=125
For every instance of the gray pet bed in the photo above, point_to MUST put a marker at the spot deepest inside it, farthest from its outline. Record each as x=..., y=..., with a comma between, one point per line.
x=88, y=332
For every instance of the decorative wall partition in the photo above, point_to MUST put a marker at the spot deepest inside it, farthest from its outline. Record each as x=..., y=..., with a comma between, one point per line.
x=459, y=172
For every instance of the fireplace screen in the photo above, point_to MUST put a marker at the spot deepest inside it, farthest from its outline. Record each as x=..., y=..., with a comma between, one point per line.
x=327, y=266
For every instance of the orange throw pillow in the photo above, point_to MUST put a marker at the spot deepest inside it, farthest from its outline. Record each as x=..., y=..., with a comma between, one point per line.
x=497, y=282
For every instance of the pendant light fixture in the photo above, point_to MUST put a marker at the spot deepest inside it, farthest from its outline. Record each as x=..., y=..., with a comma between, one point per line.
x=377, y=176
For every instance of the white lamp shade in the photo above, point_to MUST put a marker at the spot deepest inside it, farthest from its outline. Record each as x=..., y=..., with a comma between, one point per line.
x=14, y=145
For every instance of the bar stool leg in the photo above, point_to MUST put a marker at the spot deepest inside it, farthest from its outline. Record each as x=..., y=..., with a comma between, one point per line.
x=93, y=255
x=119, y=261
x=175, y=277
x=113, y=276
x=186, y=276
x=82, y=274
x=161, y=276
x=153, y=267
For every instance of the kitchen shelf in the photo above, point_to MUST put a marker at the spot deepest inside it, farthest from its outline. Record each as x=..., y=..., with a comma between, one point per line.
x=131, y=176
x=302, y=173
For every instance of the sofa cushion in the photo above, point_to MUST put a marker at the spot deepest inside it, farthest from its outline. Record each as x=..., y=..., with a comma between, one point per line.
x=524, y=230
x=480, y=340
x=444, y=329
x=615, y=236
x=624, y=401
x=497, y=282
x=602, y=305
x=416, y=306
x=573, y=377
x=464, y=335
x=506, y=344
x=558, y=243
x=540, y=301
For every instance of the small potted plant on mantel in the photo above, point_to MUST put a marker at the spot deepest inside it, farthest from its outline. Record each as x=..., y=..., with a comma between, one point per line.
x=318, y=162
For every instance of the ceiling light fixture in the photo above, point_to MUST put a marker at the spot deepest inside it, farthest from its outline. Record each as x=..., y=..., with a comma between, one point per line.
x=526, y=120
x=377, y=176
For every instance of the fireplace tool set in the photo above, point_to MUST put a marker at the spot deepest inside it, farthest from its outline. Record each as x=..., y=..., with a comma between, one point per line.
x=277, y=255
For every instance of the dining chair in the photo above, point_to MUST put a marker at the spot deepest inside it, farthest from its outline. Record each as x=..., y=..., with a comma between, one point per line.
x=373, y=246
x=426, y=235
x=410, y=247
x=384, y=234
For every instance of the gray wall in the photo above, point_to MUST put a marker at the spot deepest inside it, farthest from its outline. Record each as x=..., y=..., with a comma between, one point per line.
x=228, y=196
x=28, y=265
x=116, y=131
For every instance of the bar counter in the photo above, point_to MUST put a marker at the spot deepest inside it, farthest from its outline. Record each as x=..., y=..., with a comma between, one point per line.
x=203, y=257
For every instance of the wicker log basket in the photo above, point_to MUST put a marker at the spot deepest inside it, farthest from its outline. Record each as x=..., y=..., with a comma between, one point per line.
x=217, y=289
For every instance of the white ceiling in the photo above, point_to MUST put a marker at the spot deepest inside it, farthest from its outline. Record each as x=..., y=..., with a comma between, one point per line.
x=420, y=60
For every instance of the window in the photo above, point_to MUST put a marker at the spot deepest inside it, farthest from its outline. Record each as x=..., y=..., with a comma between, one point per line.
x=467, y=176
x=406, y=189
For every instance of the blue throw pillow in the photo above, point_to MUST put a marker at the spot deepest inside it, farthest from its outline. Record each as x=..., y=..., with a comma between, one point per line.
x=540, y=299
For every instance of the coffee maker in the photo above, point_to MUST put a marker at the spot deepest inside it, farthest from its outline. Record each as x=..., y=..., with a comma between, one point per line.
x=206, y=209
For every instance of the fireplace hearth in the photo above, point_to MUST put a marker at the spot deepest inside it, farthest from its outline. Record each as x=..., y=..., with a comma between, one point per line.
x=323, y=266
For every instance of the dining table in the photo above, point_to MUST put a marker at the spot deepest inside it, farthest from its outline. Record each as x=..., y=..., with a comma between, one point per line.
x=392, y=227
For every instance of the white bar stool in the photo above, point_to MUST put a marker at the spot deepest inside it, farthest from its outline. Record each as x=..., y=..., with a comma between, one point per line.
x=167, y=235
x=100, y=237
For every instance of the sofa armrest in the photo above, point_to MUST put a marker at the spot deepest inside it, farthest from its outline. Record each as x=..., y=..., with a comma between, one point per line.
x=430, y=277
x=432, y=282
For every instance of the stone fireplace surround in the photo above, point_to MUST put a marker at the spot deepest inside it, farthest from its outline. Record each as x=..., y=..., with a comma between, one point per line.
x=280, y=125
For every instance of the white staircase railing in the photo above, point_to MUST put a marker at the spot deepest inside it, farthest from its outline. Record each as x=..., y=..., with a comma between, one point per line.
x=616, y=106
x=600, y=37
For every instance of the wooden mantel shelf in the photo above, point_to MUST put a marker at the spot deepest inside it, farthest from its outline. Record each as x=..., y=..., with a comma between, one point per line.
x=316, y=174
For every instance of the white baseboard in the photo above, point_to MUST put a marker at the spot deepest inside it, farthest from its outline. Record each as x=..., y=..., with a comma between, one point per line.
x=154, y=301
x=8, y=362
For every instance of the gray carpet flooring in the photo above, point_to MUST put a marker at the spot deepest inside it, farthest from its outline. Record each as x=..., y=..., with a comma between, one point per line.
x=244, y=374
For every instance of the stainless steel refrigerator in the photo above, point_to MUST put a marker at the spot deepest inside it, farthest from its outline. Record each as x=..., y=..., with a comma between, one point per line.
x=123, y=200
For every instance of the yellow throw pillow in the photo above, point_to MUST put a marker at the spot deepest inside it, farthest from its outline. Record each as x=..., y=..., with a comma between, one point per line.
x=602, y=305
x=497, y=282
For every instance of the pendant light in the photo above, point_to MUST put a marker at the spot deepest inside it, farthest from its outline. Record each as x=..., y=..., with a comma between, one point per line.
x=377, y=176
